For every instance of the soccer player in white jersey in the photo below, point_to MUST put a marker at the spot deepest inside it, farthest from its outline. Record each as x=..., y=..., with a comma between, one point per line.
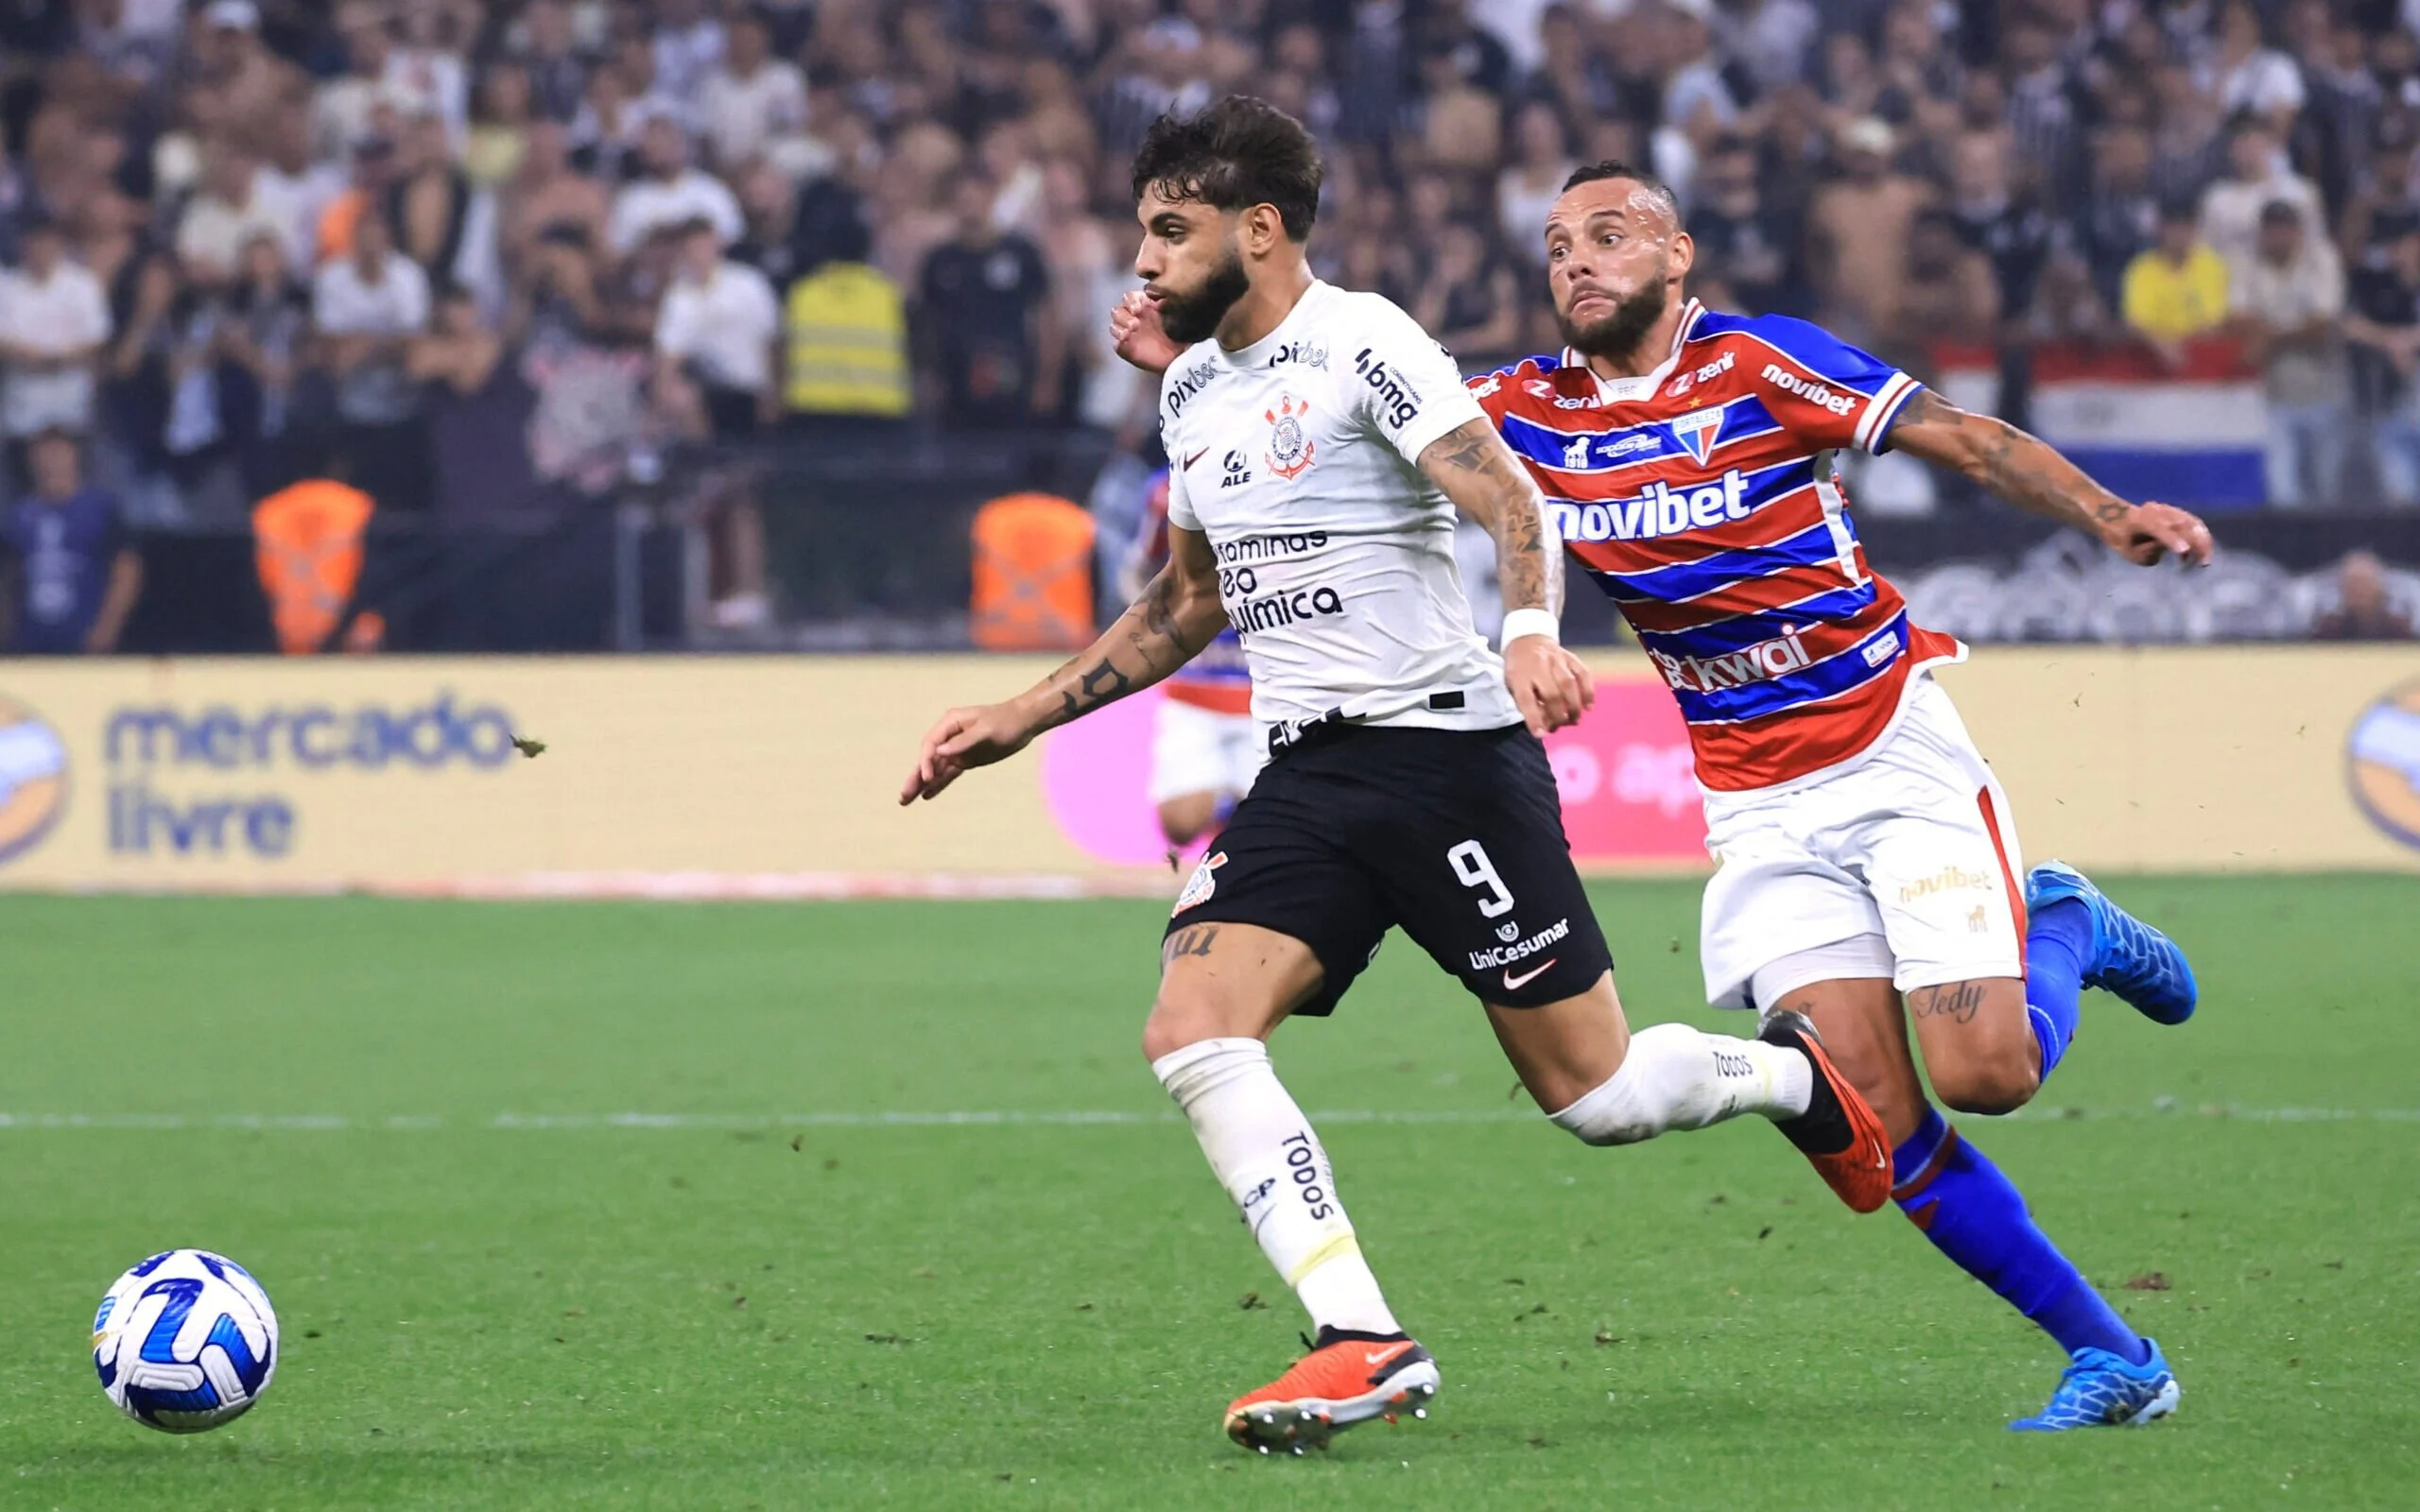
x=1865, y=850
x=1319, y=443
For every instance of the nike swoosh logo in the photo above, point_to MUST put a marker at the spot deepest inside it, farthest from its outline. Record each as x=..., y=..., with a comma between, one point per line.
x=1196, y=458
x=1373, y=1360
x=1514, y=984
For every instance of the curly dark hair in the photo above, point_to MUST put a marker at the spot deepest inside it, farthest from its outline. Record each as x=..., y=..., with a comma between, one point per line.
x=1232, y=155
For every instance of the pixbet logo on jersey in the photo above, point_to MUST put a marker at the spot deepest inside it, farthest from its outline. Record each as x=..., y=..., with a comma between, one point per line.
x=1784, y=654
x=1660, y=510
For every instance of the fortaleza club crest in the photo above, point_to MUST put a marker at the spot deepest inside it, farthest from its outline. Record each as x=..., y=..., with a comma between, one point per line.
x=1289, y=447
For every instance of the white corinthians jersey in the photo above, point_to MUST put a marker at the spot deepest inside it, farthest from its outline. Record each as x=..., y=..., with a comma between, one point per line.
x=1297, y=457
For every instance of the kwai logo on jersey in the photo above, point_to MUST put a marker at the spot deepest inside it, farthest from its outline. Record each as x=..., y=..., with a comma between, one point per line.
x=33, y=778
x=1779, y=657
x=1291, y=451
x=1810, y=391
x=1696, y=430
x=1661, y=510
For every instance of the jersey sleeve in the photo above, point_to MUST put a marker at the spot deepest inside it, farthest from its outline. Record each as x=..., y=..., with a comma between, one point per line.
x=1180, y=509
x=1402, y=384
x=1821, y=389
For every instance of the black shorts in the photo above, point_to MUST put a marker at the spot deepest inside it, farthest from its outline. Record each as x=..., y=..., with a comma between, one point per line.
x=1455, y=835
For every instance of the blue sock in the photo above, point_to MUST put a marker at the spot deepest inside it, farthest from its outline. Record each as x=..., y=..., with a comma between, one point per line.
x=2058, y=948
x=1974, y=1216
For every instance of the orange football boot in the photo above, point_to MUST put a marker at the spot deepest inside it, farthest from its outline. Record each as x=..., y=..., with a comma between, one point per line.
x=1841, y=1134
x=1348, y=1378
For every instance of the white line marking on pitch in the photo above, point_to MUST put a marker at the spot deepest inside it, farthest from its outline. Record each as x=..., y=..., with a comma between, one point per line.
x=1009, y=1117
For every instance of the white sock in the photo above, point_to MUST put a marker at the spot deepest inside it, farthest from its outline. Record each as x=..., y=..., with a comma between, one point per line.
x=1676, y=1077
x=1272, y=1163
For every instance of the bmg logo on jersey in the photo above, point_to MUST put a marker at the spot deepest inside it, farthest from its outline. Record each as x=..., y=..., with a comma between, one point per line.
x=1660, y=510
x=1398, y=402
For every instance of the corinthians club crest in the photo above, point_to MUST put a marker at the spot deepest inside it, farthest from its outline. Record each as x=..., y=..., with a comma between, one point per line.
x=1289, y=447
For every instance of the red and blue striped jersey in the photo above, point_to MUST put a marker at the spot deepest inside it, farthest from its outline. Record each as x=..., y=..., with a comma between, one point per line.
x=1698, y=496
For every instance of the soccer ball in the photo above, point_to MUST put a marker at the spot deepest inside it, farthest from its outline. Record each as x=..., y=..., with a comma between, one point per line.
x=185, y=1341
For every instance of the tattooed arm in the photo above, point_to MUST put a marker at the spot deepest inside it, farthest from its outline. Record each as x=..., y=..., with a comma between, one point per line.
x=1475, y=470
x=1176, y=616
x=2031, y=474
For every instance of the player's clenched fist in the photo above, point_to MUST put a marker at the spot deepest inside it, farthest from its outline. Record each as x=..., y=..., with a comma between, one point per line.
x=965, y=738
x=2149, y=532
x=1136, y=334
x=1549, y=684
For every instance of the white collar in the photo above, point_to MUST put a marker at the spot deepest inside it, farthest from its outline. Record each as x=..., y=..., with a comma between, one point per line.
x=1631, y=390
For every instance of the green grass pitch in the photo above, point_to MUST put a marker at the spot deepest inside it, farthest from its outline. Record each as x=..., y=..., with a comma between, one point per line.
x=494, y=1296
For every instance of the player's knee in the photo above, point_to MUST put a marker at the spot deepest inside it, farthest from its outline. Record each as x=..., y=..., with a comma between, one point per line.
x=1988, y=1083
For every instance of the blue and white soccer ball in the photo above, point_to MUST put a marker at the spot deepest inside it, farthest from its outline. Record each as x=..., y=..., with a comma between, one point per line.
x=185, y=1341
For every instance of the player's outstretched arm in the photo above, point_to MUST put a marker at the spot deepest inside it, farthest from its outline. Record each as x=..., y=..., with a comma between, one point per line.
x=1177, y=615
x=1480, y=474
x=2028, y=473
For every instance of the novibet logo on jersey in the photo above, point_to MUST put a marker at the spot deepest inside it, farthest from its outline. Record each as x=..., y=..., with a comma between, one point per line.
x=2382, y=764
x=33, y=779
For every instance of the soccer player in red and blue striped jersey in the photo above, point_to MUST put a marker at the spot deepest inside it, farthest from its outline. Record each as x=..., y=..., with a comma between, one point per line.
x=1867, y=855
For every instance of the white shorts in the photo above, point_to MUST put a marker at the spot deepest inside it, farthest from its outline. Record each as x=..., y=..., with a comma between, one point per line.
x=1199, y=750
x=1907, y=861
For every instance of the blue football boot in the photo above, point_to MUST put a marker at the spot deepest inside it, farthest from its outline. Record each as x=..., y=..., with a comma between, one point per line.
x=2102, y=1390
x=2129, y=957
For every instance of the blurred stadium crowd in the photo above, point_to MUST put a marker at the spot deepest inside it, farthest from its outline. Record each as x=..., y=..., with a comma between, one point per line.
x=455, y=254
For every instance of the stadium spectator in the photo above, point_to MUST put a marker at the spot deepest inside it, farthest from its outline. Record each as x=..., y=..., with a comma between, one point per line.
x=366, y=308
x=441, y=220
x=2384, y=207
x=1469, y=301
x=2176, y=289
x=687, y=48
x=54, y=322
x=1949, y=294
x=2363, y=609
x=557, y=75
x=2288, y=299
x=547, y=191
x=77, y=576
x=752, y=99
x=499, y=125
x=1858, y=229
x=233, y=205
x=2250, y=78
x=993, y=349
x=668, y=192
x=2383, y=328
x=263, y=342
x=2010, y=227
x=341, y=107
x=716, y=340
x=2257, y=177
x=2119, y=219
x=1749, y=259
x=1529, y=188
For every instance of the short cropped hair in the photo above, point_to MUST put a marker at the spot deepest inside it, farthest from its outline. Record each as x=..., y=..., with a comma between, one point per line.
x=1614, y=168
x=1235, y=154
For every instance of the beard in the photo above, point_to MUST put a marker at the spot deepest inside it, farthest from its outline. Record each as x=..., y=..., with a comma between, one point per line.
x=1619, y=333
x=1191, y=317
